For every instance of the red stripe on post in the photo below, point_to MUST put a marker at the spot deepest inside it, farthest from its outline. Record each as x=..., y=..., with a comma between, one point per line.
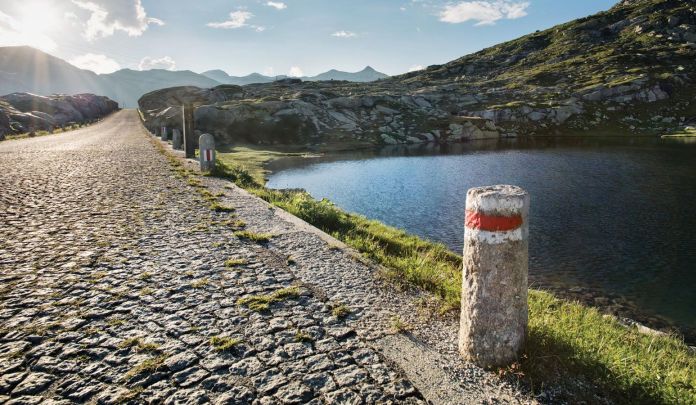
x=477, y=220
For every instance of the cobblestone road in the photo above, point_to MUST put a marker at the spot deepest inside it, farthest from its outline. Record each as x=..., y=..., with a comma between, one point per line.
x=114, y=288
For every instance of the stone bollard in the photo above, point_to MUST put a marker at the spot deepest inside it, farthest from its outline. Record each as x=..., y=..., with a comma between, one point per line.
x=493, y=323
x=206, y=144
x=164, y=133
x=177, y=139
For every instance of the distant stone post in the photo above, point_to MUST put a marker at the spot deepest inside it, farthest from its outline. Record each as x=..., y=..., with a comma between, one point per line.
x=189, y=135
x=177, y=139
x=206, y=144
x=494, y=315
x=163, y=133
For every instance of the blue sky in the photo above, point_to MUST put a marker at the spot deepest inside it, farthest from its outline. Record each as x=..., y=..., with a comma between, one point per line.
x=275, y=37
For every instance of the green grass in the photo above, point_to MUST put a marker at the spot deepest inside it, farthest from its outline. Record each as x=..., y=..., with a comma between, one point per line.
x=256, y=237
x=235, y=223
x=25, y=135
x=686, y=133
x=303, y=337
x=261, y=303
x=340, y=311
x=146, y=366
x=251, y=160
x=234, y=262
x=217, y=207
x=224, y=343
x=138, y=345
x=398, y=325
x=569, y=345
x=200, y=283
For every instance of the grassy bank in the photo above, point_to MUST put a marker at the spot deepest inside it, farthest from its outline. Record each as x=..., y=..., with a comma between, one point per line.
x=686, y=133
x=252, y=160
x=569, y=346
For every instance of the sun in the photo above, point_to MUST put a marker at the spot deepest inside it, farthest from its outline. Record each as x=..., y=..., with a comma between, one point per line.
x=36, y=22
x=40, y=17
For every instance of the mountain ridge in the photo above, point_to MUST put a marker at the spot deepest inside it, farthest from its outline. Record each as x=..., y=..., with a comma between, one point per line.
x=26, y=69
x=367, y=74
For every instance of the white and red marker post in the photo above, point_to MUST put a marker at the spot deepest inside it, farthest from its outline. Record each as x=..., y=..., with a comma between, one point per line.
x=494, y=311
x=206, y=145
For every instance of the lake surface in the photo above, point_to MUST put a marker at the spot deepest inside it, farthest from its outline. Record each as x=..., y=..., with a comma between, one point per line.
x=613, y=217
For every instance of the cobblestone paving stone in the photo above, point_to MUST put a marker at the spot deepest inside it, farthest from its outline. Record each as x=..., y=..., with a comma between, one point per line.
x=114, y=289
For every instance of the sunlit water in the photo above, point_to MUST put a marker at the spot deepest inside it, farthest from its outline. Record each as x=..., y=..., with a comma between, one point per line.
x=616, y=216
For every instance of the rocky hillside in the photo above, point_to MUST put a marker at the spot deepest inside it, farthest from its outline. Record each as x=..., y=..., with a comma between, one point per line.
x=625, y=71
x=24, y=112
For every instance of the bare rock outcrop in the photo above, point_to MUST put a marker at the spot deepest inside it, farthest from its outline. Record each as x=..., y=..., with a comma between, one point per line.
x=25, y=112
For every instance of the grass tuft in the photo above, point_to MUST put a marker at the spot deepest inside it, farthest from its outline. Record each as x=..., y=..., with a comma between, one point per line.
x=234, y=262
x=398, y=325
x=138, y=345
x=147, y=366
x=256, y=237
x=303, y=337
x=340, y=311
x=200, y=283
x=224, y=343
x=261, y=303
x=217, y=207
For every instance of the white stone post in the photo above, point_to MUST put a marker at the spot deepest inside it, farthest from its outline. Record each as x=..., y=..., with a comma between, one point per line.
x=206, y=145
x=494, y=315
x=164, y=133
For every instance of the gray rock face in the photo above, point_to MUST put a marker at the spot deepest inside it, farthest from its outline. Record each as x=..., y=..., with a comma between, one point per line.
x=24, y=112
x=297, y=112
x=34, y=383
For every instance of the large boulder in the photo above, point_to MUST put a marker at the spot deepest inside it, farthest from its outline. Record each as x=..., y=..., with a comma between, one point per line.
x=25, y=112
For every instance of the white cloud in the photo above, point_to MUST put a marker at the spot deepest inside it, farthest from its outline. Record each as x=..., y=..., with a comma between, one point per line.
x=484, y=12
x=96, y=63
x=268, y=71
x=238, y=19
x=13, y=33
x=295, y=71
x=415, y=68
x=164, y=62
x=108, y=16
x=344, y=34
x=278, y=5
